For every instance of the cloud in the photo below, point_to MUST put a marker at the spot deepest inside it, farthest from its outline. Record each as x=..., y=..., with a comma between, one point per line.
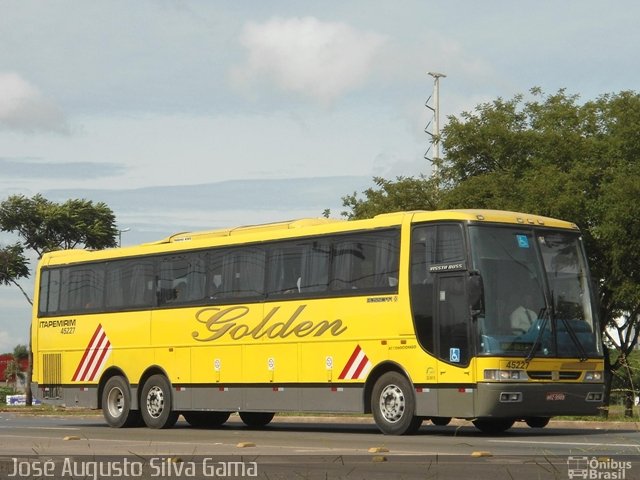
x=23, y=107
x=34, y=168
x=322, y=60
x=6, y=344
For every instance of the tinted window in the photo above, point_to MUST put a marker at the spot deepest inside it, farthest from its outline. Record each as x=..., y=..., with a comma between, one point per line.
x=314, y=272
x=367, y=261
x=182, y=278
x=285, y=269
x=81, y=288
x=453, y=318
x=431, y=245
x=130, y=284
x=243, y=272
x=354, y=263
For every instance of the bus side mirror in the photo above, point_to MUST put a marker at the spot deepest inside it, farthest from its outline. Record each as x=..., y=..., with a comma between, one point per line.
x=475, y=288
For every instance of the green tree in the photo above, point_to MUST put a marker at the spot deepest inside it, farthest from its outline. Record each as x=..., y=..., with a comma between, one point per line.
x=406, y=193
x=13, y=266
x=20, y=352
x=44, y=226
x=14, y=371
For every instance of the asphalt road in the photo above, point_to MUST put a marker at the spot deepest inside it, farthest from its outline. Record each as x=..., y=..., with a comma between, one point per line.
x=320, y=447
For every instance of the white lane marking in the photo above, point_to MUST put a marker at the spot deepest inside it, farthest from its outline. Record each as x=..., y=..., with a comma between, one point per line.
x=40, y=428
x=583, y=444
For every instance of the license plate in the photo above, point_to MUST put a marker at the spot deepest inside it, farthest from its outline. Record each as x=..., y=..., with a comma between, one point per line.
x=555, y=396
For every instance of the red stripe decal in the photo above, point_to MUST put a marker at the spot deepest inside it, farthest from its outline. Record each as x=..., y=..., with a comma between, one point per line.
x=355, y=353
x=103, y=353
x=363, y=363
x=94, y=352
x=86, y=352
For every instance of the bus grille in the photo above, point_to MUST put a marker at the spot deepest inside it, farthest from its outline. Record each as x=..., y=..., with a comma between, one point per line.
x=52, y=375
x=553, y=375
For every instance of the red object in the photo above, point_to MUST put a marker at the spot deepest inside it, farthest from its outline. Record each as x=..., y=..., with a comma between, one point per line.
x=5, y=359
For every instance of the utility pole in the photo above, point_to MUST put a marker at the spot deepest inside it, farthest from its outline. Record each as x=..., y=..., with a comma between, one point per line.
x=435, y=136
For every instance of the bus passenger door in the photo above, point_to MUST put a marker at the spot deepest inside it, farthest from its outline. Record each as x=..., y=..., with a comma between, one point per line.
x=454, y=348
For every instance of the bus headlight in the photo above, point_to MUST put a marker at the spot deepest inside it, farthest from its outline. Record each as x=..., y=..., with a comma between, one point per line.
x=596, y=376
x=505, y=375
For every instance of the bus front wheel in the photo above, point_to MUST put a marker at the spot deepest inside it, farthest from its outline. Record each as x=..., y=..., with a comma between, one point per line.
x=155, y=403
x=393, y=404
x=116, y=404
x=537, y=422
x=256, y=419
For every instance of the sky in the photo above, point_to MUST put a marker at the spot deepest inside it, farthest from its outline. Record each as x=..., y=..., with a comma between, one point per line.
x=186, y=115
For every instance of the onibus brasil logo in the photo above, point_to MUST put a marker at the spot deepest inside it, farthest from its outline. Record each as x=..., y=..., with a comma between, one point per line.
x=600, y=468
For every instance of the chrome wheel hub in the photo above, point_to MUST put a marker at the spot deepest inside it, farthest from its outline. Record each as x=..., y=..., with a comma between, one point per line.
x=155, y=401
x=392, y=403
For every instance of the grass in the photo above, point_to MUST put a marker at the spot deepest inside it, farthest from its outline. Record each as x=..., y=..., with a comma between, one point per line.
x=47, y=410
x=616, y=414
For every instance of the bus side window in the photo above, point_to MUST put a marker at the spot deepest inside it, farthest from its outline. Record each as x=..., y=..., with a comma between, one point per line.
x=387, y=261
x=347, y=257
x=81, y=288
x=49, y=291
x=366, y=261
x=422, y=256
x=243, y=273
x=314, y=272
x=181, y=279
x=284, y=269
x=130, y=284
x=215, y=282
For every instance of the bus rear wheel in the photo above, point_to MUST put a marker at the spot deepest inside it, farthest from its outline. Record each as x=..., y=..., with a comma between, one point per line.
x=493, y=425
x=393, y=404
x=256, y=419
x=116, y=404
x=206, y=419
x=155, y=403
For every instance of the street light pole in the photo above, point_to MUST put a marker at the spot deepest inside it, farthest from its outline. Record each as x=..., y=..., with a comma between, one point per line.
x=436, y=124
x=120, y=232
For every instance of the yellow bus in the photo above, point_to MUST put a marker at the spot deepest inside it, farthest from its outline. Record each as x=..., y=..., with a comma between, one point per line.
x=476, y=314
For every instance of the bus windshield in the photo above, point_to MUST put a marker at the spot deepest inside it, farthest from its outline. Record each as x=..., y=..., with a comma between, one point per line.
x=538, y=298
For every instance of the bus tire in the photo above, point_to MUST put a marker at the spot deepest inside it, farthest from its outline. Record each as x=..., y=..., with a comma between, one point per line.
x=256, y=419
x=393, y=404
x=206, y=419
x=537, y=422
x=440, y=421
x=155, y=403
x=493, y=426
x=116, y=404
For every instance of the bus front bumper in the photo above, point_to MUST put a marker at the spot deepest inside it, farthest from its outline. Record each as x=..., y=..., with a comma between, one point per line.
x=521, y=400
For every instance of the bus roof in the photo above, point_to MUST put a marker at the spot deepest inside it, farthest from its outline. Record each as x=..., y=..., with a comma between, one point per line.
x=299, y=227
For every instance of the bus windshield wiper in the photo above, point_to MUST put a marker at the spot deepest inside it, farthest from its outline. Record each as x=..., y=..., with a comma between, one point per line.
x=544, y=315
x=574, y=338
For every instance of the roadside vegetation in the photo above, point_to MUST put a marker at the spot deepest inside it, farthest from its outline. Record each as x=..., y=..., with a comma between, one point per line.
x=552, y=155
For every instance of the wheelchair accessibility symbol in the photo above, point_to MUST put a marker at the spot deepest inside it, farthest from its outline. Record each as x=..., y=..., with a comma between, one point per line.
x=454, y=355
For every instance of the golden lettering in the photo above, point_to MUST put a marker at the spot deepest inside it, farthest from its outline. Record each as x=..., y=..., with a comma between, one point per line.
x=280, y=329
x=302, y=327
x=217, y=319
x=225, y=321
x=334, y=326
